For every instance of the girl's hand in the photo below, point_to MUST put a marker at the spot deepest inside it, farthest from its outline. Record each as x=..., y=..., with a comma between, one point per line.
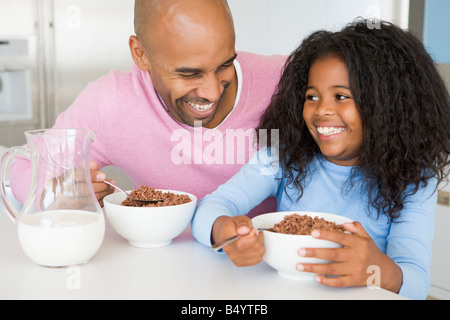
x=246, y=251
x=351, y=263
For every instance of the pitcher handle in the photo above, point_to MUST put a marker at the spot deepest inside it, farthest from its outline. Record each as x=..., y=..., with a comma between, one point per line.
x=7, y=159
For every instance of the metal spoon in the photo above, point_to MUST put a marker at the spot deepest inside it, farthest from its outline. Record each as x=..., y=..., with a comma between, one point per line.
x=219, y=245
x=128, y=195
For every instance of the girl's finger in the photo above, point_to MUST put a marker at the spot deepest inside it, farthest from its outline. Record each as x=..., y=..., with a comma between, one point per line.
x=342, y=238
x=342, y=281
x=329, y=269
x=331, y=254
x=356, y=228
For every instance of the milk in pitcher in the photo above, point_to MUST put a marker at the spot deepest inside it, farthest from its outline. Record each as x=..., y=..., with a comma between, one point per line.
x=61, y=237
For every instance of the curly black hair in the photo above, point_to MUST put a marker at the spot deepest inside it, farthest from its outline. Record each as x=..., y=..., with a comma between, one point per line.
x=402, y=100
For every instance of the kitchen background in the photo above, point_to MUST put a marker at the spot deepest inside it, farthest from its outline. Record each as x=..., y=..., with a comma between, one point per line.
x=50, y=50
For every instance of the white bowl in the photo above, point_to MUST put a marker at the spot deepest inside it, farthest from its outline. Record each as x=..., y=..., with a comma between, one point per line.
x=282, y=249
x=149, y=227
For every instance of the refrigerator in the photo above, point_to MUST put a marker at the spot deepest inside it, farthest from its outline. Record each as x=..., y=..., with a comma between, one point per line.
x=49, y=51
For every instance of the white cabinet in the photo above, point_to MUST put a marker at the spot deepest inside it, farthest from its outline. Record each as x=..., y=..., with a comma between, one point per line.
x=440, y=262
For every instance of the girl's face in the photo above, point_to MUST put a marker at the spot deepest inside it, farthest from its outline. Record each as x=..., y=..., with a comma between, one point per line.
x=330, y=112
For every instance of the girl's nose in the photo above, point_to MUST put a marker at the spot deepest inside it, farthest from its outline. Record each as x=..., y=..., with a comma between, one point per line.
x=325, y=108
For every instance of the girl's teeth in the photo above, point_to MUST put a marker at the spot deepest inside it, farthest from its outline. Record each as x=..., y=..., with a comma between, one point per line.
x=200, y=107
x=328, y=131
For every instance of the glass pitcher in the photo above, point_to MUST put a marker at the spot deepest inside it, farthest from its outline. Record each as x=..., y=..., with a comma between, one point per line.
x=61, y=222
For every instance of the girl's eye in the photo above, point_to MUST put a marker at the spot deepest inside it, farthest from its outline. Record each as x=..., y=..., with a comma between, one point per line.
x=341, y=97
x=312, y=98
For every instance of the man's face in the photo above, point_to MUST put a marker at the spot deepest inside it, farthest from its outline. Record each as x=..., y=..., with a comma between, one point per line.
x=191, y=66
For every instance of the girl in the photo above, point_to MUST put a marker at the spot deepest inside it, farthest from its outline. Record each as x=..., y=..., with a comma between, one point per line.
x=364, y=126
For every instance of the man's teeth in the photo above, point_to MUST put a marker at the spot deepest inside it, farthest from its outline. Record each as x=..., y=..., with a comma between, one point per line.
x=201, y=107
x=328, y=131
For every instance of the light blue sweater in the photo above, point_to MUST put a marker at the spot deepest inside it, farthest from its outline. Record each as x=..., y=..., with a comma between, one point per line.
x=407, y=241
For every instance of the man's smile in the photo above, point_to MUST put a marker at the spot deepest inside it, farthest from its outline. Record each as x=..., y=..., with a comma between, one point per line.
x=201, y=107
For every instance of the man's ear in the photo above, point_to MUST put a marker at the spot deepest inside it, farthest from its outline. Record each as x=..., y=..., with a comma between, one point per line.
x=140, y=57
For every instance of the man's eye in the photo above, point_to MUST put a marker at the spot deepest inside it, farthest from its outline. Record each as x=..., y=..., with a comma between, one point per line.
x=189, y=75
x=226, y=66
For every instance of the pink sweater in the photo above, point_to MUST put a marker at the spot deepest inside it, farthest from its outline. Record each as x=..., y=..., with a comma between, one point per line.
x=135, y=133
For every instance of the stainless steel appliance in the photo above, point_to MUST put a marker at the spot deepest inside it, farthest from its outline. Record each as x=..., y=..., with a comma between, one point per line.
x=49, y=51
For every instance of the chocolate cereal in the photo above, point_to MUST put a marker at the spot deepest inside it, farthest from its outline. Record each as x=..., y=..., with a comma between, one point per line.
x=149, y=193
x=303, y=225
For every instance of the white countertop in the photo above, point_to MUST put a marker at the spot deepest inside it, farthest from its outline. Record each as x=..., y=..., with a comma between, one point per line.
x=184, y=270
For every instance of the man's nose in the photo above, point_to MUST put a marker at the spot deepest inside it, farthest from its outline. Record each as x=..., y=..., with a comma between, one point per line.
x=211, y=88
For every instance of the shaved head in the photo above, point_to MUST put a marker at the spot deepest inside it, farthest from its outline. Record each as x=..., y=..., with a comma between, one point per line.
x=147, y=13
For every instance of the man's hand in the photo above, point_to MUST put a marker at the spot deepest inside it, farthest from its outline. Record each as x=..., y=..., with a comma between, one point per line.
x=246, y=251
x=97, y=177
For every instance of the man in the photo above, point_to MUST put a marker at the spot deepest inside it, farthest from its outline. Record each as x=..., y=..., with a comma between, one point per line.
x=181, y=118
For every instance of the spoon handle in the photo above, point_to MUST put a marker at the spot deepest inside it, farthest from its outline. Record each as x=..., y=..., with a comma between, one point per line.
x=118, y=188
x=222, y=243
x=219, y=245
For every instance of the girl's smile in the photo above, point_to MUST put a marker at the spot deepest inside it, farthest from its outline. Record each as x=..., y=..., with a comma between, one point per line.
x=329, y=131
x=330, y=112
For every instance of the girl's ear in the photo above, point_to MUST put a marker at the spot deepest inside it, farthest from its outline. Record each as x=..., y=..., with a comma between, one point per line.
x=138, y=53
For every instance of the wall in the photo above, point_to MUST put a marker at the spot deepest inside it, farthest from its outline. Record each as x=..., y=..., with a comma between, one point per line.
x=437, y=25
